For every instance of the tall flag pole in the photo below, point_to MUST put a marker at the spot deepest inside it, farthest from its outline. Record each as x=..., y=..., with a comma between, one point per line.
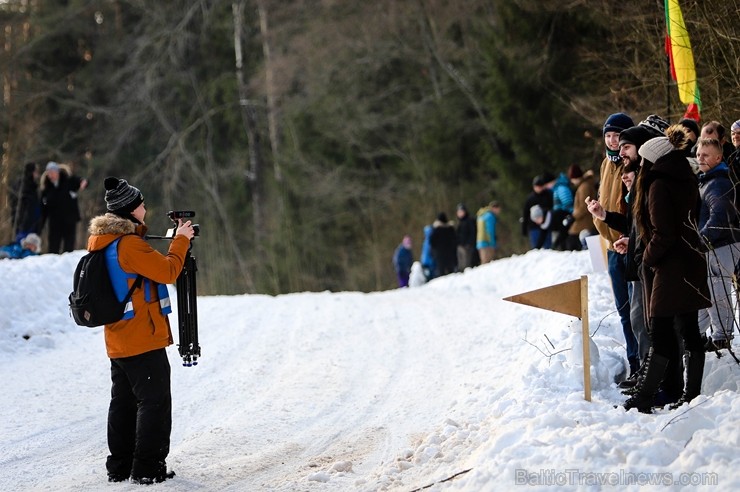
x=678, y=49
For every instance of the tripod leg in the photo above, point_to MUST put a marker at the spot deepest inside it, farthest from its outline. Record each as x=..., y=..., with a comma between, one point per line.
x=188, y=313
x=193, y=312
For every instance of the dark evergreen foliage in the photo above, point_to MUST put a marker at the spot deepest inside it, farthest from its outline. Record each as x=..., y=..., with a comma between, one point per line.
x=372, y=117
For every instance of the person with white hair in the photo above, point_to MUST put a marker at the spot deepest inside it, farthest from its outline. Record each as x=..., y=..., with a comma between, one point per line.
x=59, y=208
x=28, y=246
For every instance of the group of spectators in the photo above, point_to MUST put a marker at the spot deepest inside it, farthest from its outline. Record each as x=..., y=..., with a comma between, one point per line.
x=555, y=214
x=667, y=211
x=666, y=206
x=450, y=247
x=44, y=200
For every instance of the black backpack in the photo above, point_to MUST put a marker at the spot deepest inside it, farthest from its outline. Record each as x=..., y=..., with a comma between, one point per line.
x=93, y=301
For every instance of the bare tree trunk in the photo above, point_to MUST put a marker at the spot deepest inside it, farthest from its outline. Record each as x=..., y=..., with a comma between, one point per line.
x=254, y=173
x=15, y=36
x=270, y=91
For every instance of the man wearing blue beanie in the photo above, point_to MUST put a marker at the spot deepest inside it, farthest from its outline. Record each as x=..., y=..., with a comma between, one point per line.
x=611, y=198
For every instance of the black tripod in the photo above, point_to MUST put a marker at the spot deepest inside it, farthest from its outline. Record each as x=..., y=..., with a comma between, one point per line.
x=187, y=304
x=187, y=312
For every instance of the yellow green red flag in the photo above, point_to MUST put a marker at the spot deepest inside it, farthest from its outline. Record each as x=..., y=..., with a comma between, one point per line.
x=678, y=48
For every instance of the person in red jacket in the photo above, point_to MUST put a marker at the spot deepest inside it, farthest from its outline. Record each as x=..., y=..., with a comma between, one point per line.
x=140, y=411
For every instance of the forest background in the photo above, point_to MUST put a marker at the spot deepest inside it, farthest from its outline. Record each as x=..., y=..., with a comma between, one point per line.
x=311, y=135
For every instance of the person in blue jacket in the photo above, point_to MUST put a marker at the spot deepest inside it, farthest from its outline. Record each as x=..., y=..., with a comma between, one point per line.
x=428, y=263
x=718, y=228
x=28, y=246
x=562, y=207
x=403, y=258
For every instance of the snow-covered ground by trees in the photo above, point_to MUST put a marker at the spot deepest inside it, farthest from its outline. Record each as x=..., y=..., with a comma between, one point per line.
x=444, y=385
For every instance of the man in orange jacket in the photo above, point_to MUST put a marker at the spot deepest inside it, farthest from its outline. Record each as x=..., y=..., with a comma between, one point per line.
x=140, y=412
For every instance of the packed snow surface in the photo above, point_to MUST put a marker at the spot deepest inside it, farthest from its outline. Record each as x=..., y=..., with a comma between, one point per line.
x=441, y=387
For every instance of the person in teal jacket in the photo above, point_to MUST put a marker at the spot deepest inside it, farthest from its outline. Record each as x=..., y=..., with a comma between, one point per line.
x=486, y=231
x=428, y=262
x=562, y=207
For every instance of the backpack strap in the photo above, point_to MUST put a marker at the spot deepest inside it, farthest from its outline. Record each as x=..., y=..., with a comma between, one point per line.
x=137, y=284
x=118, y=275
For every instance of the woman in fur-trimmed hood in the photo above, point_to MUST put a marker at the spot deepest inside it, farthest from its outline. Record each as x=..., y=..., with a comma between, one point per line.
x=140, y=412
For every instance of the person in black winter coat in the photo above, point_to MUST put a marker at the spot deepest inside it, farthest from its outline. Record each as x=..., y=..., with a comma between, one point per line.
x=467, y=231
x=59, y=208
x=25, y=203
x=444, y=245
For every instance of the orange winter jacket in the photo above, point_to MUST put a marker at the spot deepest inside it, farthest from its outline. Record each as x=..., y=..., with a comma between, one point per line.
x=149, y=329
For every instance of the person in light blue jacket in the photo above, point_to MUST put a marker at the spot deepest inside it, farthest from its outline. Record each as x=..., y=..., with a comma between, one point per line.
x=428, y=262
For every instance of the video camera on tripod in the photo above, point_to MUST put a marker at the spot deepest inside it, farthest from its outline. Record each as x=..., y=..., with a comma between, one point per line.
x=187, y=307
x=175, y=215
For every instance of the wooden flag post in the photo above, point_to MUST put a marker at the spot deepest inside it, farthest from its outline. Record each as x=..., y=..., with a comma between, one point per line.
x=569, y=298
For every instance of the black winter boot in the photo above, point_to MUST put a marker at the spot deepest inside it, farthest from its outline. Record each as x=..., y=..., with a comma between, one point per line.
x=694, y=376
x=643, y=398
x=634, y=378
x=634, y=363
x=716, y=345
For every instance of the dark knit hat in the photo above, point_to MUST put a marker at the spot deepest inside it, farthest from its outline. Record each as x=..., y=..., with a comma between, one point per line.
x=656, y=123
x=616, y=123
x=574, y=171
x=636, y=135
x=691, y=125
x=120, y=197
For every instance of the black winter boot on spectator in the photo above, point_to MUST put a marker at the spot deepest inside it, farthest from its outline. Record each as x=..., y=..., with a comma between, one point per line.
x=694, y=376
x=716, y=345
x=643, y=398
x=634, y=363
x=634, y=378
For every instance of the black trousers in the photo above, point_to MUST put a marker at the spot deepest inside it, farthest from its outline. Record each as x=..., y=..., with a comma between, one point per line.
x=140, y=415
x=670, y=336
x=62, y=235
